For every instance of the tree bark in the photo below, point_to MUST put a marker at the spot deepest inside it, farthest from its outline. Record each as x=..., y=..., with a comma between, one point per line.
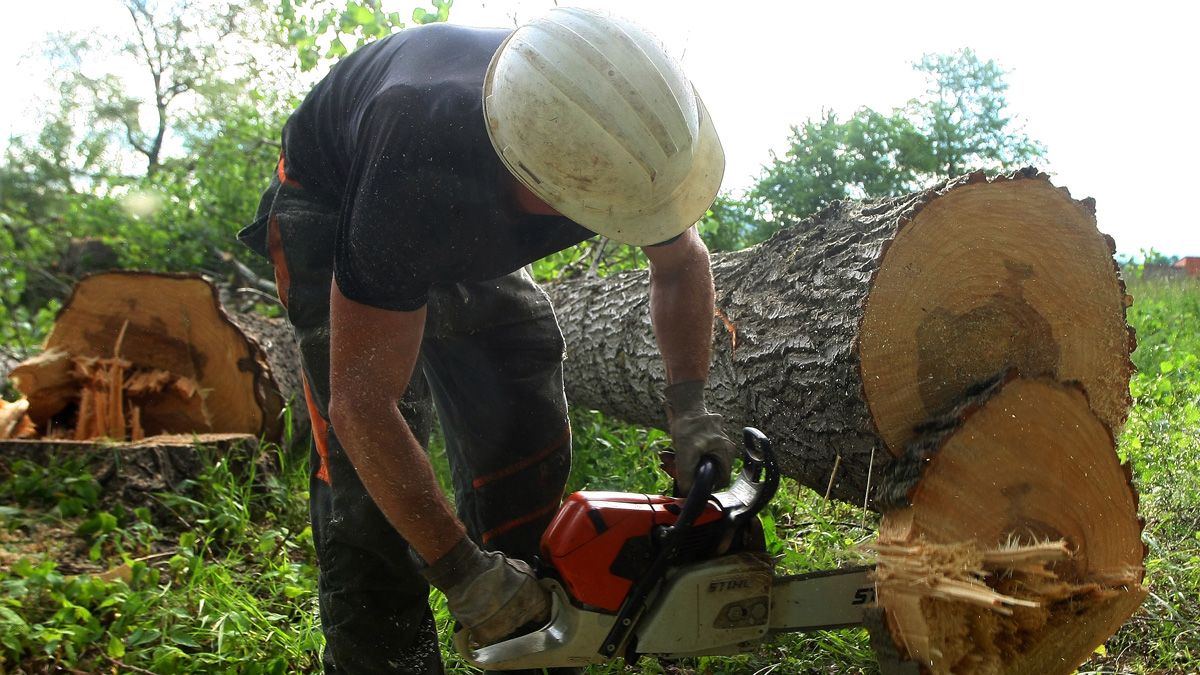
x=837, y=337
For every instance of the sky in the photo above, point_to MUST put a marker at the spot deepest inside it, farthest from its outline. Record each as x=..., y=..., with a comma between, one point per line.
x=1108, y=88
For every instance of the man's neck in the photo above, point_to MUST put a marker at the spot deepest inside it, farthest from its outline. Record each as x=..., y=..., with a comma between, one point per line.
x=527, y=202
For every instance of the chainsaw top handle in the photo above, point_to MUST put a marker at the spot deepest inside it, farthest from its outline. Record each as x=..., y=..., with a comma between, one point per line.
x=757, y=483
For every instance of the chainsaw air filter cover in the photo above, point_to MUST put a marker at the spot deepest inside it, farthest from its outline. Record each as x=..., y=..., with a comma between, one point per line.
x=601, y=542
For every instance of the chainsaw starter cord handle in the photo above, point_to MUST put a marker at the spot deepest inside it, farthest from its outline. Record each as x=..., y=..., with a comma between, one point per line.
x=635, y=602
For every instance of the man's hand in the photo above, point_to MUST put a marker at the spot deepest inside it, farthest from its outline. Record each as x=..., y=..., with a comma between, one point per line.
x=696, y=433
x=492, y=596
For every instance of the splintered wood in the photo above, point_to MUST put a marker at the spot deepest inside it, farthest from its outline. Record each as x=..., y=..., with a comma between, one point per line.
x=1010, y=541
x=14, y=422
x=109, y=389
x=108, y=395
x=959, y=572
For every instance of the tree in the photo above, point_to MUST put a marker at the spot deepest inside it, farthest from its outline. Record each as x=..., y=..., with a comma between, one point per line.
x=957, y=125
x=868, y=155
x=161, y=167
x=320, y=28
x=963, y=115
x=183, y=50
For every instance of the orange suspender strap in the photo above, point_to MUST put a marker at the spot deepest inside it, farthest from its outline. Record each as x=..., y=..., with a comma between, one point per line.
x=278, y=260
x=320, y=429
x=275, y=243
x=283, y=174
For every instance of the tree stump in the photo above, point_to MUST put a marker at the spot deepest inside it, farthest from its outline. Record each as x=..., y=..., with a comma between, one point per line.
x=136, y=354
x=838, y=336
x=134, y=474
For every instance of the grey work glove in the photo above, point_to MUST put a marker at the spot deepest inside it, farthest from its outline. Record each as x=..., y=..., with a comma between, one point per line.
x=696, y=433
x=491, y=595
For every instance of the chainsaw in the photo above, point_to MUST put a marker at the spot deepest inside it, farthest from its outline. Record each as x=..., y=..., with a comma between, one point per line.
x=635, y=574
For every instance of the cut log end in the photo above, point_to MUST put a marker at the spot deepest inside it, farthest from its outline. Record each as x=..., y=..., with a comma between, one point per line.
x=990, y=276
x=1016, y=547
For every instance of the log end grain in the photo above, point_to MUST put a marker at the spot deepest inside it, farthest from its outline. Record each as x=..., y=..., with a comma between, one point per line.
x=158, y=322
x=989, y=275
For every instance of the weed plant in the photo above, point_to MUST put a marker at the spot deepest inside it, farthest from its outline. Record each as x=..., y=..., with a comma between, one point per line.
x=221, y=576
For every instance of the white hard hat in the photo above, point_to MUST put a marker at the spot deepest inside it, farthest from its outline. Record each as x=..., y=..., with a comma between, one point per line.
x=592, y=115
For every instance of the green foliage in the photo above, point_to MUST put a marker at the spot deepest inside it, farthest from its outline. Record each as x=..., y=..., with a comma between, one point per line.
x=730, y=224
x=1135, y=267
x=64, y=488
x=870, y=154
x=957, y=125
x=226, y=579
x=596, y=257
x=322, y=28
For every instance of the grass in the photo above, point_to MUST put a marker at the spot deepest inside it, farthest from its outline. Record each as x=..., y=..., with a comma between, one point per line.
x=222, y=577
x=1162, y=442
x=225, y=582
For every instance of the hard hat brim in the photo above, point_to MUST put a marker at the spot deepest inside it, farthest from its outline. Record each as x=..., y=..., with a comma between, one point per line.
x=667, y=219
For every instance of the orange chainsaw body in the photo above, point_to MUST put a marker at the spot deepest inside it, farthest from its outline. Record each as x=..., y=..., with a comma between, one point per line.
x=599, y=543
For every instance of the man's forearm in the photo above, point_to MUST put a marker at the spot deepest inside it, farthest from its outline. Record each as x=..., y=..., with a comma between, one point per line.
x=681, y=311
x=396, y=473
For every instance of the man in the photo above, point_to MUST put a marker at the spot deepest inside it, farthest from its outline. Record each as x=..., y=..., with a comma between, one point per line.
x=415, y=183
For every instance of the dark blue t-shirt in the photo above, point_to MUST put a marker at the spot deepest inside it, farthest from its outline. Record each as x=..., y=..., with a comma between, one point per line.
x=395, y=135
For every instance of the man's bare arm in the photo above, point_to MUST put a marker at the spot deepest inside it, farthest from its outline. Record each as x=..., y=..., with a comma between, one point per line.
x=373, y=353
x=681, y=310
x=681, y=306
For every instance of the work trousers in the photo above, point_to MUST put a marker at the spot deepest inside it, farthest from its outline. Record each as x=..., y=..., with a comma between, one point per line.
x=491, y=365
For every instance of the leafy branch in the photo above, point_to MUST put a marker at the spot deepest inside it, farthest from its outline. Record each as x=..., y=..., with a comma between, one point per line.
x=322, y=28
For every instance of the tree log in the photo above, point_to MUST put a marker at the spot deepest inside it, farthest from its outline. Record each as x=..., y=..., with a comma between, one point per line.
x=1010, y=540
x=139, y=353
x=838, y=336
